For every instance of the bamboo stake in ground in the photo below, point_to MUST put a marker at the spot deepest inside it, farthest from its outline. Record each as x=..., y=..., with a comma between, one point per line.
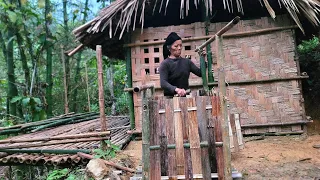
x=224, y=111
x=88, y=156
x=103, y=119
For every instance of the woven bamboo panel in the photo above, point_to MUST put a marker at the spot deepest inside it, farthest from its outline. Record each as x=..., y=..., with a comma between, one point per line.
x=257, y=57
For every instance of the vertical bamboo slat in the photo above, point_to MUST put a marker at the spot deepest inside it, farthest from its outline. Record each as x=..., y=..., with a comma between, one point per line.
x=179, y=138
x=145, y=137
x=170, y=132
x=194, y=138
x=234, y=133
x=155, y=170
x=163, y=140
x=203, y=135
x=185, y=131
x=218, y=135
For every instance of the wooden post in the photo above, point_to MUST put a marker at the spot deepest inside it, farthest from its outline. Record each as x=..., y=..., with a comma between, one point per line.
x=129, y=84
x=145, y=136
x=88, y=94
x=224, y=110
x=66, y=105
x=103, y=119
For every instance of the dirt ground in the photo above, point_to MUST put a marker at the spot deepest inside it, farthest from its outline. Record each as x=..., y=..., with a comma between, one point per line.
x=274, y=157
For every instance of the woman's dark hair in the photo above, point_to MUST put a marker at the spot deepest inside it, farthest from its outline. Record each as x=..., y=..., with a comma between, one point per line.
x=172, y=37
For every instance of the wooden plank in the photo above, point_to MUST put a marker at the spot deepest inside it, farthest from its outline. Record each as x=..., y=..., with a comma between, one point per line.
x=218, y=135
x=234, y=133
x=155, y=170
x=194, y=138
x=178, y=137
x=203, y=135
x=183, y=103
x=170, y=132
x=163, y=140
x=239, y=131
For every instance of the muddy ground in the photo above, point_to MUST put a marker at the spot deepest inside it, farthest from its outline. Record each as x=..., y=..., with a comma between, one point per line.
x=274, y=157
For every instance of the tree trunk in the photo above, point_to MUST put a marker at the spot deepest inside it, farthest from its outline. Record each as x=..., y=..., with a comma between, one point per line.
x=48, y=46
x=4, y=51
x=77, y=74
x=12, y=89
x=23, y=61
x=109, y=75
x=66, y=43
x=30, y=50
x=66, y=102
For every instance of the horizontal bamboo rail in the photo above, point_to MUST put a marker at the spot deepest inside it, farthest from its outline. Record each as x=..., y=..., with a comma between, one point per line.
x=226, y=28
x=53, y=143
x=142, y=87
x=75, y=136
x=240, y=82
x=49, y=151
x=235, y=175
x=273, y=124
x=107, y=162
x=186, y=145
x=228, y=35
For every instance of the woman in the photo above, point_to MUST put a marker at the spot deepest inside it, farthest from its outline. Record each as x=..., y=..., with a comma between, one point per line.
x=175, y=70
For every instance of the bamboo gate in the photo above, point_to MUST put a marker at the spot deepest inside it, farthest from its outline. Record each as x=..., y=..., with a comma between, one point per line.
x=186, y=138
x=182, y=138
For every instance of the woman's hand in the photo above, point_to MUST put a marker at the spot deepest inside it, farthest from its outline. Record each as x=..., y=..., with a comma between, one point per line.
x=180, y=92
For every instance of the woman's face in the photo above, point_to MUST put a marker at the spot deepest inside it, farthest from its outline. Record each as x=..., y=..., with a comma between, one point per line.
x=175, y=49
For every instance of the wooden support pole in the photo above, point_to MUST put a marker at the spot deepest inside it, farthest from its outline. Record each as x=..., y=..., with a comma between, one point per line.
x=129, y=83
x=145, y=136
x=103, y=119
x=66, y=105
x=224, y=110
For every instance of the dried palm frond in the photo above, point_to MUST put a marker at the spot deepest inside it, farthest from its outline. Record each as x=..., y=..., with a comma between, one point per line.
x=120, y=14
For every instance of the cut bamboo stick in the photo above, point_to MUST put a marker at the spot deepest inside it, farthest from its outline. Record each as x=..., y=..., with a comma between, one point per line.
x=185, y=131
x=155, y=170
x=170, y=133
x=53, y=143
x=163, y=140
x=179, y=138
x=194, y=138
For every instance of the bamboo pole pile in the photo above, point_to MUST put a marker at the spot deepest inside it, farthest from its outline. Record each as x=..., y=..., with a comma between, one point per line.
x=49, y=123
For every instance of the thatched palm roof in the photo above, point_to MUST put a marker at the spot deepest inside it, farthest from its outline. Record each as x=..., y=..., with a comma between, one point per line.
x=126, y=15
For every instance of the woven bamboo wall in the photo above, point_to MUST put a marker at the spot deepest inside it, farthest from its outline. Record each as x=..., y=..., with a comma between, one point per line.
x=257, y=57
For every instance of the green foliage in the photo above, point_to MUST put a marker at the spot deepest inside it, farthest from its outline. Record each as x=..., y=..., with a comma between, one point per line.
x=308, y=46
x=66, y=174
x=309, y=59
x=32, y=107
x=58, y=174
x=109, y=153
